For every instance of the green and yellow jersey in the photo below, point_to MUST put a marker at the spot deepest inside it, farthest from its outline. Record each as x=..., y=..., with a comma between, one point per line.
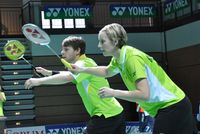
x=88, y=87
x=134, y=65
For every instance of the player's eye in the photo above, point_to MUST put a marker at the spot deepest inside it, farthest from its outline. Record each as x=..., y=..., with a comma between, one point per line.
x=102, y=41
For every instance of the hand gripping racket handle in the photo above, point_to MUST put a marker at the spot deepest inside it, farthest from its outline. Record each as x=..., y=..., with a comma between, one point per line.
x=34, y=69
x=66, y=64
x=38, y=74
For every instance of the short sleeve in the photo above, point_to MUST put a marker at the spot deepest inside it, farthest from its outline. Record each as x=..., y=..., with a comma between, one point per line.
x=80, y=76
x=136, y=68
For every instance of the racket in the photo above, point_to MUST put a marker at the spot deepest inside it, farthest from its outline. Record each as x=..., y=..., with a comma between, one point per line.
x=36, y=35
x=14, y=50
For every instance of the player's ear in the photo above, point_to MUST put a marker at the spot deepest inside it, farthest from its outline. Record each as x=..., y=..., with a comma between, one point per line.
x=116, y=42
x=78, y=51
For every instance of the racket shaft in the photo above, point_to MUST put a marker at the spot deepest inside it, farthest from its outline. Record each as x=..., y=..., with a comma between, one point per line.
x=28, y=63
x=53, y=51
x=38, y=74
x=66, y=64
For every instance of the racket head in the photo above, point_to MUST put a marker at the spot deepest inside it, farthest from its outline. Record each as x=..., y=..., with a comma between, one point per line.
x=14, y=50
x=35, y=34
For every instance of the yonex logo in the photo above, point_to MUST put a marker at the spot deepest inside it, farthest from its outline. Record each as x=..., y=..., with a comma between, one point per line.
x=175, y=5
x=65, y=130
x=53, y=12
x=53, y=131
x=125, y=10
x=118, y=11
x=67, y=12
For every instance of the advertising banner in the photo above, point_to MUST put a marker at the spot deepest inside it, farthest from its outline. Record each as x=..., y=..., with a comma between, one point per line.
x=26, y=130
x=64, y=12
x=135, y=10
x=73, y=128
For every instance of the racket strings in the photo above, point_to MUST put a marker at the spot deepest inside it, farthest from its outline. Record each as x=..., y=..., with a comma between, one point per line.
x=15, y=50
x=36, y=35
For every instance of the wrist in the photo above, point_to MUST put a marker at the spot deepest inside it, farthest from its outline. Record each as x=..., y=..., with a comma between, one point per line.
x=114, y=93
x=54, y=72
x=40, y=81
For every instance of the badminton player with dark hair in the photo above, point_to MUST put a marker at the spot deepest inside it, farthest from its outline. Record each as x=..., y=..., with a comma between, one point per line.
x=147, y=82
x=106, y=114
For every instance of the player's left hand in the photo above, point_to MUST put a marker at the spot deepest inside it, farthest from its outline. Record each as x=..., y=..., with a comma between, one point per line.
x=43, y=71
x=2, y=96
x=32, y=82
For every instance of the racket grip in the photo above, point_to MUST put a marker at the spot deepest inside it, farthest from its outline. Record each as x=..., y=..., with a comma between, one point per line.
x=38, y=74
x=65, y=63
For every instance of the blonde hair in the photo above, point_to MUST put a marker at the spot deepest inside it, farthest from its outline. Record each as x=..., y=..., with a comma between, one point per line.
x=115, y=32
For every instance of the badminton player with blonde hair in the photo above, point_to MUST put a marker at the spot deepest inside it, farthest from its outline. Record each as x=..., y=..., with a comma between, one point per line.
x=147, y=82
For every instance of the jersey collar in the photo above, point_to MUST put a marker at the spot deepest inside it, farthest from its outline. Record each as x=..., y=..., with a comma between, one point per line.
x=83, y=56
x=122, y=55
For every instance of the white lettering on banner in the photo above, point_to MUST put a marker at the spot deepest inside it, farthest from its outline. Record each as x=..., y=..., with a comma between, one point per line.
x=76, y=12
x=168, y=8
x=175, y=5
x=179, y=4
x=132, y=129
x=75, y=130
x=26, y=130
x=140, y=10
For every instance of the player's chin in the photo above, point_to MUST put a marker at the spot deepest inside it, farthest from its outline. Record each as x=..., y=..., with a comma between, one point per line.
x=106, y=54
x=68, y=60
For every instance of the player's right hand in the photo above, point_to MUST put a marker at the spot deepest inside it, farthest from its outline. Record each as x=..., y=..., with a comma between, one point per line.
x=76, y=69
x=43, y=71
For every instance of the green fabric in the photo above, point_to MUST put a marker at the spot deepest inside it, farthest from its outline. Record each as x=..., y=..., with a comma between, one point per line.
x=134, y=65
x=88, y=87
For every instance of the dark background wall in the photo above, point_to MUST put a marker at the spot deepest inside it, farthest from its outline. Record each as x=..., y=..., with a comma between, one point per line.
x=184, y=69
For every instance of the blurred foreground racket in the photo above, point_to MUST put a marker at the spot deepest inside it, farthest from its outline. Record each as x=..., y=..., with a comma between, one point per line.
x=14, y=50
x=40, y=37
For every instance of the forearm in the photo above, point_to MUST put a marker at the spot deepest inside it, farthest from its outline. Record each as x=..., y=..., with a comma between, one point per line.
x=53, y=72
x=54, y=80
x=132, y=96
x=98, y=71
x=57, y=79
